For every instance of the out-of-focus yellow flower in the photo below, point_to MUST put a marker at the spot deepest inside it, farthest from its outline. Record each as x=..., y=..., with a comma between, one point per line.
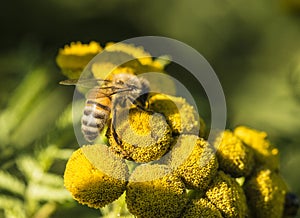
x=153, y=192
x=140, y=61
x=264, y=152
x=73, y=58
x=266, y=194
x=139, y=53
x=79, y=49
x=235, y=158
x=95, y=176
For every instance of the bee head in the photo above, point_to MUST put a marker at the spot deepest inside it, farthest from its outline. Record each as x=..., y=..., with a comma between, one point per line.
x=136, y=85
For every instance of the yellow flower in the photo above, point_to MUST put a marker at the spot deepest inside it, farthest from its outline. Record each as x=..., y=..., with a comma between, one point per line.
x=95, y=176
x=181, y=116
x=266, y=194
x=201, y=207
x=264, y=152
x=153, y=192
x=226, y=194
x=73, y=58
x=79, y=49
x=143, y=136
x=235, y=158
x=139, y=53
x=194, y=160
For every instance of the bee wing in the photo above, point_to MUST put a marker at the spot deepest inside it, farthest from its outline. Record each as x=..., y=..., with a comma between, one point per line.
x=86, y=83
x=106, y=91
x=97, y=90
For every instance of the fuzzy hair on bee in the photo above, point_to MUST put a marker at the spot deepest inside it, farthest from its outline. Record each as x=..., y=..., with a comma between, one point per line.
x=103, y=101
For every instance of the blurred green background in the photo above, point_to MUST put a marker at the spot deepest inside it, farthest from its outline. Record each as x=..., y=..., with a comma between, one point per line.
x=254, y=47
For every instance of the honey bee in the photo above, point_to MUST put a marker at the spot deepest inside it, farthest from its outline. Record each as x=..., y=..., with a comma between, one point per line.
x=124, y=90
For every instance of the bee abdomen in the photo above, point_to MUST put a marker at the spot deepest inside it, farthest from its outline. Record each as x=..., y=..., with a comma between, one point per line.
x=94, y=119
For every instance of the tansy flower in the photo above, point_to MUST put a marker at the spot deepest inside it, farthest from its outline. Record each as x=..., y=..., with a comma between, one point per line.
x=73, y=58
x=153, y=191
x=139, y=53
x=201, y=207
x=180, y=115
x=95, y=176
x=235, y=158
x=264, y=152
x=194, y=160
x=142, y=136
x=227, y=195
x=266, y=192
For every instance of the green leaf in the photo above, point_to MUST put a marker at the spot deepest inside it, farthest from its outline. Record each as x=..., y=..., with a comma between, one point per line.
x=11, y=183
x=13, y=207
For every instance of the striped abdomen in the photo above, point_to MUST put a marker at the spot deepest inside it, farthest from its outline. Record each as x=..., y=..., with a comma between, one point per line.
x=95, y=116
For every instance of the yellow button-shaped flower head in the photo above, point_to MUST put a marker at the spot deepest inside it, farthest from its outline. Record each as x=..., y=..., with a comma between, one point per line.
x=180, y=115
x=73, y=58
x=226, y=194
x=140, y=135
x=264, y=152
x=201, y=207
x=235, y=158
x=154, y=192
x=194, y=160
x=95, y=176
x=266, y=194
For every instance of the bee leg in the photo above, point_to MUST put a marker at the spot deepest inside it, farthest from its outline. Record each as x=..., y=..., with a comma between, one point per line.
x=114, y=132
x=137, y=104
x=116, y=137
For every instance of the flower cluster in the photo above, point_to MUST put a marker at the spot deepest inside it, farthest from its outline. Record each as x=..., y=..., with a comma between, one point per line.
x=176, y=172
